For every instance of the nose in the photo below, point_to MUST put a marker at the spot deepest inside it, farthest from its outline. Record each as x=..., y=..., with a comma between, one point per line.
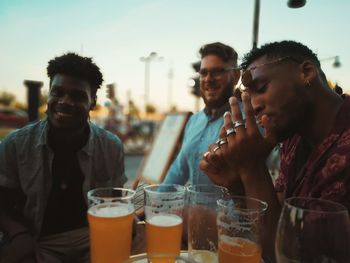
x=257, y=104
x=66, y=99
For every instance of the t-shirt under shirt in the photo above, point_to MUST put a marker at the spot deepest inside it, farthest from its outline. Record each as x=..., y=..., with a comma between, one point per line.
x=66, y=207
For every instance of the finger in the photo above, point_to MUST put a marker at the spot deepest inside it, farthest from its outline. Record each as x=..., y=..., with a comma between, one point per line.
x=207, y=168
x=213, y=148
x=250, y=119
x=229, y=129
x=221, y=142
x=223, y=132
x=215, y=157
x=237, y=117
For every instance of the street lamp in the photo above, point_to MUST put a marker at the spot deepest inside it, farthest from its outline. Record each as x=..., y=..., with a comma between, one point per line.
x=296, y=3
x=336, y=62
x=152, y=56
x=291, y=4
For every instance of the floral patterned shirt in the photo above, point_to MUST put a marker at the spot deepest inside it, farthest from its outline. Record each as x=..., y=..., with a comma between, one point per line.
x=326, y=172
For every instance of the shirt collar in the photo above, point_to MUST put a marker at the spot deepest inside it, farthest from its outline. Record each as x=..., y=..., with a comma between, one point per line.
x=43, y=135
x=88, y=147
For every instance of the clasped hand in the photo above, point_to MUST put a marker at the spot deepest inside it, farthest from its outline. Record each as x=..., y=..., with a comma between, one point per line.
x=242, y=147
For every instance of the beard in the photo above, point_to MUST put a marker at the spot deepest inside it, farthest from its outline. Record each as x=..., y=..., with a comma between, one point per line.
x=226, y=93
x=298, y=115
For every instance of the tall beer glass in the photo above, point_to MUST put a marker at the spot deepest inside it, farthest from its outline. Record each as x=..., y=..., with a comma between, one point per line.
x=202, y=212
x=238, y=221
x=110, y=217
x=163, y=208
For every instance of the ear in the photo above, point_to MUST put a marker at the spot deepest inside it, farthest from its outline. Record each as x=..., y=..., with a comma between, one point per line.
x=93, y=102
x=309, y=72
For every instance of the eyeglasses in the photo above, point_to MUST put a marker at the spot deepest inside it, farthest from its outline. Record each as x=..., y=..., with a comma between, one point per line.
x=247, y=78
x=214, y=72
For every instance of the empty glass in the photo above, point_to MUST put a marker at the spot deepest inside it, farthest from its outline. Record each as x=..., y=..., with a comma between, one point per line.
x=201, y=220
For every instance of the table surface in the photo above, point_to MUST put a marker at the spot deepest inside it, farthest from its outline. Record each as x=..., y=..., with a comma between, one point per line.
x=183, y=254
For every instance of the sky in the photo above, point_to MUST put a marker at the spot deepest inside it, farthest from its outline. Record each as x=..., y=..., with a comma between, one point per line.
x=117, y=33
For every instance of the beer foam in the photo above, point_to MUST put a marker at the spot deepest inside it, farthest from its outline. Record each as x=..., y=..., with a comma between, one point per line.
x=165, y=220
x=110, y=210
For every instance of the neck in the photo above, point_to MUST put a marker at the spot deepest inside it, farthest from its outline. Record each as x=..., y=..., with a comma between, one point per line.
x=323, y=118
x=69, y=137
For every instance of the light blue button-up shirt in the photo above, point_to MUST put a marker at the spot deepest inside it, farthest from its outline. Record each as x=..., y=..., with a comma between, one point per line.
x=201, y=131
x=26, y=163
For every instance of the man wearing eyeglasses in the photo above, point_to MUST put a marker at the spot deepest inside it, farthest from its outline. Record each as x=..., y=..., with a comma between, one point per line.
x=286, y=90
x=218, y=76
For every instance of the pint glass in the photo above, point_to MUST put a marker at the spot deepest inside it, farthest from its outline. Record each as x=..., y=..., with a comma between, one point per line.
x=110, y=217
x=202, y=212
x=163, y=208
x=238, y=221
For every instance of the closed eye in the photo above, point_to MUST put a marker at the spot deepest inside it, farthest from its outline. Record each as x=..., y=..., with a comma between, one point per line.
x=262, y=88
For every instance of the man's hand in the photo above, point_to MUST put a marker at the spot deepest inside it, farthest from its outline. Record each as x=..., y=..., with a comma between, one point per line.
x=216, y=168
x=20, y=249
x=247, y=147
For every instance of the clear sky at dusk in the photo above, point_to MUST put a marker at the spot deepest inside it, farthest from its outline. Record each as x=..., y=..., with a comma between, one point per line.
x=117, y=33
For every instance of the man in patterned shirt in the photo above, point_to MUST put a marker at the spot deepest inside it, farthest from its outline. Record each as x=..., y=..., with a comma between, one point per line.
x=287, y=91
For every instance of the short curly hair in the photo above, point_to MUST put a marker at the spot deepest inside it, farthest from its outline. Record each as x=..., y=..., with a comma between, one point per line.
x=286, y=48
x=225, y=52
x=77, y=66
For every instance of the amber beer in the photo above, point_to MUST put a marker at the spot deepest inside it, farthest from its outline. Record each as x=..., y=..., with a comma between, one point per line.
x=238, y=250
x=163, y=235
x=110, y=233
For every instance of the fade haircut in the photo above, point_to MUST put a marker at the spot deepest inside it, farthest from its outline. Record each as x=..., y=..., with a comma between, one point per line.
x=226, y=53
x=76, y=66
x=286, y=48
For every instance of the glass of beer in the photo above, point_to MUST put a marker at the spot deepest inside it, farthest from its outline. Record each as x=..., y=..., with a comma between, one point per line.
x=110, y=217
x=201, y=203
x=238, y=222
x=164, y=206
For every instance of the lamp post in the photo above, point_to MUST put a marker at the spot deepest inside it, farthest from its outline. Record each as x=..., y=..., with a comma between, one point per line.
x=152, y=56
x=170, y=85
x=336, y=62
x=290, y=3
x=33, y=91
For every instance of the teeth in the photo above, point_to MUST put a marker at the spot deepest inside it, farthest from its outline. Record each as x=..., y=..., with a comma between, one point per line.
x=62, y=114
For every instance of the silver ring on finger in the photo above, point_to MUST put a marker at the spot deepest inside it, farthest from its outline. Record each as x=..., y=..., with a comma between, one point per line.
x=222, y=142
x=216, y=148
x=205, y=155
x=230, y=131
x=238, y=124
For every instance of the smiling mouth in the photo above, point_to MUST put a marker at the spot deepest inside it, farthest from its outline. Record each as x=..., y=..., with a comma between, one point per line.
x=64, y=114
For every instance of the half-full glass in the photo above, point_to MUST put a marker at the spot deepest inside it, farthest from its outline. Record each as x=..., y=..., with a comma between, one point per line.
x=201, y=221
x=110, y=217
x=164, y=206
x=313, y=230
x=238, y=221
